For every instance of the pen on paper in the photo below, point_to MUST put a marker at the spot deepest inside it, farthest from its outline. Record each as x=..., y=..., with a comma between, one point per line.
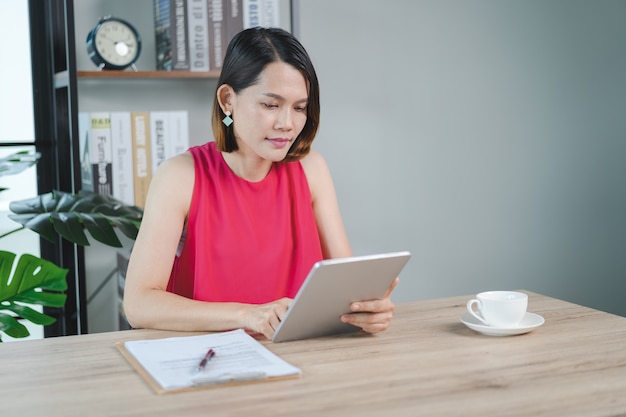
x=207, y=357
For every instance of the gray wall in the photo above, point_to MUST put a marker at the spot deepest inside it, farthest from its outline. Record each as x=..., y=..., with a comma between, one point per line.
x=488, y=137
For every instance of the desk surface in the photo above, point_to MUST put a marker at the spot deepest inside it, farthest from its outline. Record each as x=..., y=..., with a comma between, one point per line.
x=427, y=363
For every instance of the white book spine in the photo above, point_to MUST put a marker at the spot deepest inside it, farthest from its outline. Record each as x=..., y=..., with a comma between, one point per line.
x=101, y=152
x=217, y=32
x=251, y=13
x=269, y=14
x=179, y=133
x=198, y=35
x=159, y=132
x=142, y=166
x=122, y=167
x=180, y=44
x=84, y=128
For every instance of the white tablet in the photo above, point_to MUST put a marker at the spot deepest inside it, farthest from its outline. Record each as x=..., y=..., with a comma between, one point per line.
x=329, y=289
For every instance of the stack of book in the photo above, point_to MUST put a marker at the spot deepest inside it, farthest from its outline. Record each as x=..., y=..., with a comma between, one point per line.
x=119, y=151
x=192, y=35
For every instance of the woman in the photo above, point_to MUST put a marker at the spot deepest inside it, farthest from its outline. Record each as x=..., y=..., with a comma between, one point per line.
x=255, y=209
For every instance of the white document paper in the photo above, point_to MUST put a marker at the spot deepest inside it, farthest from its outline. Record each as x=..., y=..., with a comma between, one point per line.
x=173, y=362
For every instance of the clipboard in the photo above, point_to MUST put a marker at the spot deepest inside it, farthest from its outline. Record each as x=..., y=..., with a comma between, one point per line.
x=168, y=365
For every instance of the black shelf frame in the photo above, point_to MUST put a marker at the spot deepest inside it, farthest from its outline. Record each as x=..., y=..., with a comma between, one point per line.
x=56, y=126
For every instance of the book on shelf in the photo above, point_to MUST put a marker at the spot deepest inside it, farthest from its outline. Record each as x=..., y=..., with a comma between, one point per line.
x=169, y=135
x=269, y=13
x=217, y=33
x=142, y=160
x=265, y=13
x=101, y=152
x=233, y=19
x=163, y=40
x=250, y=13
x=179, y=133
x=193, y=35
x=159, y=132
x=120, y=150
x=84, y=128
x=178, y=28
x=122, y=165
x=198, y=35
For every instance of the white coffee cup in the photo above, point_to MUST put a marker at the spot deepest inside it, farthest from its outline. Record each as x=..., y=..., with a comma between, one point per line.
x=502, y=309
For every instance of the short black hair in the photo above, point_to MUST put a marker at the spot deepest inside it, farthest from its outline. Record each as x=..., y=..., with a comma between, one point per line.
x=247, y=55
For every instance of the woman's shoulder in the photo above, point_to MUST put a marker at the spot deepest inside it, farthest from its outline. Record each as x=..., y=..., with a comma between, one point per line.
x=183, y=160
x=176, y=168
x=316, y=172
x=313, y=162
x=171, y=186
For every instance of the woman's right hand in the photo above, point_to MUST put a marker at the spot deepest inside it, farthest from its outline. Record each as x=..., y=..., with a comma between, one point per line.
x=265, y=318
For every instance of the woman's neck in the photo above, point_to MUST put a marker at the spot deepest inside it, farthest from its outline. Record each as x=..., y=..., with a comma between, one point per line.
x=250, y=168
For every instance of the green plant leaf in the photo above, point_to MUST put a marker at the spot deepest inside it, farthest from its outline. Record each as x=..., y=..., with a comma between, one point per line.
x=68, y=215
x=34, y=278
x=34, y=281
x=42, y=298
x=40, y=224
x=33, y=316
x=12, y=327
x=130, y=229
x=100, y=229
x=18, y=162
x=69, y=226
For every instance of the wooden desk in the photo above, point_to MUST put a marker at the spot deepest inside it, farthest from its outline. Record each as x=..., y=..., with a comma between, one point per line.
x=427, y=363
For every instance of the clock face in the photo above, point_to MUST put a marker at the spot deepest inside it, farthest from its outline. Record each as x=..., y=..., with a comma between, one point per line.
x=113, y=44
x=117, y=43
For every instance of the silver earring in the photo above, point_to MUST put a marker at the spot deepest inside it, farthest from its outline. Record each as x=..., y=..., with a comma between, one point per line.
x=227, y=120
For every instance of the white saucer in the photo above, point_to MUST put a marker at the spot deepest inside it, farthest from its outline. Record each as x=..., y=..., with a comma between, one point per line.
x=530, y=322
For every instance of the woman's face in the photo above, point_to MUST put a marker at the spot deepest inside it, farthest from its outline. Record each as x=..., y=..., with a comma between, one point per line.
x=269, y=115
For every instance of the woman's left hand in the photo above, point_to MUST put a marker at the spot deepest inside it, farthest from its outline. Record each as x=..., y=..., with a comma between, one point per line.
x=372, y=316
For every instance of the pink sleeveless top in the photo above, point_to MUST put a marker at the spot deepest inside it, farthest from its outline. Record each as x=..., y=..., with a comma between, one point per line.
x=248, y=242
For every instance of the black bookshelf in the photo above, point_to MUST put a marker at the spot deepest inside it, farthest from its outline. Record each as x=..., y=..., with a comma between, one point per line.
x=56, y=126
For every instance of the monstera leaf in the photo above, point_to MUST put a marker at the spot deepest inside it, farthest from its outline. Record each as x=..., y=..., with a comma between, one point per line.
x=70, y=214
x=18, y=162
x=35, y=281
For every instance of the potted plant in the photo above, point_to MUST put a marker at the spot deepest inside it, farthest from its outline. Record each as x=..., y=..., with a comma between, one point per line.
x=35, y=280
